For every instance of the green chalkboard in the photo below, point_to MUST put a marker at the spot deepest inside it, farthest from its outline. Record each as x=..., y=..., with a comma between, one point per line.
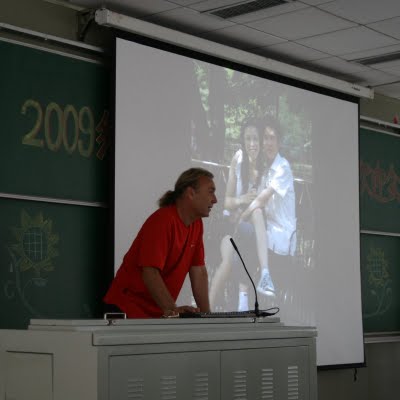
x=54, y=147
x=54, y=124
x=380, y=282
x=380, y=224
x=379, y=181
x=53, y=261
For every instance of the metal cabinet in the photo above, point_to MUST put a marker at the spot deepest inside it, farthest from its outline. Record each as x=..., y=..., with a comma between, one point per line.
x=246, y=359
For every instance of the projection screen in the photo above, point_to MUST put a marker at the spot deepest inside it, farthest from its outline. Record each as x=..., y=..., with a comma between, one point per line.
x=173, y=111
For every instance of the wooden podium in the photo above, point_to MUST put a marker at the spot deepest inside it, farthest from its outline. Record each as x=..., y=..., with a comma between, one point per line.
x=165, y=359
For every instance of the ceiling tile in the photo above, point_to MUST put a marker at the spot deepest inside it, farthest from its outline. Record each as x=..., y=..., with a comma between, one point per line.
x=363, y=11
x=242, y=37
x=290, y=52
x=315, y=2
x=300, y=24
x=393, y=68
x=389, y=27
x=185, y=2
x=338, y=65
x=348, y=41
x=189, y=21
x=372, y=53
x=305, y=33
x=253, y=16
x=373, y=77
x=388, y=64
x=335, y=67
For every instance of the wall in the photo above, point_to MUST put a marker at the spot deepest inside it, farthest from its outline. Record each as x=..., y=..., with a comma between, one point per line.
x=39, y=16
x=381, y=107
x=378, y=380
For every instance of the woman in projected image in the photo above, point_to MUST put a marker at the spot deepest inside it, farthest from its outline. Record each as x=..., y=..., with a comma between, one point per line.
x=242, y=188
x=277, y=200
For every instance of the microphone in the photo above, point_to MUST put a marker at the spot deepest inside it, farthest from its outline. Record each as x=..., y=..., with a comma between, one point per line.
x=256, y=306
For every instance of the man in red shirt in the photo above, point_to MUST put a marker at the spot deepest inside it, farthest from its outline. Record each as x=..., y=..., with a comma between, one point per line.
x=168, y=247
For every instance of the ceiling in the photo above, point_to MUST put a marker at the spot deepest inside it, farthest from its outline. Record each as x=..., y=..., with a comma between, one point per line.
x=354, y=40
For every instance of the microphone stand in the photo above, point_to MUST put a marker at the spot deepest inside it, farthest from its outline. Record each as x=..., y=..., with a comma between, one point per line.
x=256, y=306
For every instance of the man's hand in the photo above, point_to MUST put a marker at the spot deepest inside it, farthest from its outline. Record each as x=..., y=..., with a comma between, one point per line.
x=158, y=290
x=178, y=310
x=189, y=309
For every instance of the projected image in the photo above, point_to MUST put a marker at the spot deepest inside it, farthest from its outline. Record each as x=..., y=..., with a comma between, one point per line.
x=263, y=170
x=285, y=161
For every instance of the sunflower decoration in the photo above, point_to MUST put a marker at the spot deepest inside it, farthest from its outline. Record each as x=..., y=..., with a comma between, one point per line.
x=377, y=267
x=36, y=244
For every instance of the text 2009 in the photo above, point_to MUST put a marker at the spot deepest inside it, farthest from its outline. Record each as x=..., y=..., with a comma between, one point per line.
x=72, y=129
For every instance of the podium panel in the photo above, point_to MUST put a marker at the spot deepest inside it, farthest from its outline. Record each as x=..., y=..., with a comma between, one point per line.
x=190, y=375
x=268, y=373
x=174, y=359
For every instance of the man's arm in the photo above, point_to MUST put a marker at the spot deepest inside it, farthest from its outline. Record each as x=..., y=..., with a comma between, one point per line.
x=156, y=286
x=161, y=295
x=199, y=281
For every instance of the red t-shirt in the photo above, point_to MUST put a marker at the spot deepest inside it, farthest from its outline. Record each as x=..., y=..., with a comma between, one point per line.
x=163, y=242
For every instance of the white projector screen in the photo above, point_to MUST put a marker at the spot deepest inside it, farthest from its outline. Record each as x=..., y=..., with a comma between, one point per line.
x=173, y=112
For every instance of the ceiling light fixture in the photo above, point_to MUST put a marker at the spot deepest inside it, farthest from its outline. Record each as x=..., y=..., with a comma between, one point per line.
x=244, y=7
x=381, y=59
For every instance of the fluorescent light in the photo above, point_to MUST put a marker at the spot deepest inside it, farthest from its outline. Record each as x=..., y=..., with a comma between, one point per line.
x=378, y=60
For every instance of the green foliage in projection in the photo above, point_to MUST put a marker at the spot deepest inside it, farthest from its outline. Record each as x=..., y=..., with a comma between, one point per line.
x=247, y=96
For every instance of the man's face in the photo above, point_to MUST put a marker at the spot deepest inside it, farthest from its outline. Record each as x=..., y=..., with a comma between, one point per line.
x=271, y=144
x=204, y=197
